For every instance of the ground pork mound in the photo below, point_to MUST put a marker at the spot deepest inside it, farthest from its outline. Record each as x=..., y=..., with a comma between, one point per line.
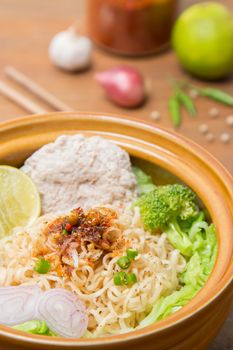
x=78, y=171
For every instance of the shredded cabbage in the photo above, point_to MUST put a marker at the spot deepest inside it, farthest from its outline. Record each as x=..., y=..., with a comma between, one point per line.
x=198, y=244
x=144, y=181
x=179, y=239
x=167, y=305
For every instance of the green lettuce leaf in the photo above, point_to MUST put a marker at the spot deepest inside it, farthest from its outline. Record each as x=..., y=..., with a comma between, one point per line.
x=193, y=275
x=179, y=239
x=199, y=246
x=167, y=305
x=144, y=181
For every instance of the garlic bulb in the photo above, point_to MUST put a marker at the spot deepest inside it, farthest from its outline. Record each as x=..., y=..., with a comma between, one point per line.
x=70, y=51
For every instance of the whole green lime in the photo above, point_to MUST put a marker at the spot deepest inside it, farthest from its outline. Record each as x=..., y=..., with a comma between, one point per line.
x=203, y=40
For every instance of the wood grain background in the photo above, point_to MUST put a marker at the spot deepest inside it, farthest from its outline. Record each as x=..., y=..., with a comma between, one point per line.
x=26, y=28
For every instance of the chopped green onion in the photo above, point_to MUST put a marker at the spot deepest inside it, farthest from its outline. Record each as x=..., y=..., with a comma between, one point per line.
x=120, y=278
x=131, y=253
x=42, y=266
x=123, y=262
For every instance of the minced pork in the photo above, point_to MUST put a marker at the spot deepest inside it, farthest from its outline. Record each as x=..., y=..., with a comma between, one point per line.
x=77, y=171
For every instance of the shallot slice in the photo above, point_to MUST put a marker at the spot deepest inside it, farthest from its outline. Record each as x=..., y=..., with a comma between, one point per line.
x=63, y=313
x=123, y=85
x=18, y=304
x=74, y=256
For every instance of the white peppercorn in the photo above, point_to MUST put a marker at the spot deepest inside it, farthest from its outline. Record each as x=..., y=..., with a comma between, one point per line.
x=225, y=137
x=229, y=120
x=214, y=112
x=203, y=128
x=210, y=137
x=155, y=115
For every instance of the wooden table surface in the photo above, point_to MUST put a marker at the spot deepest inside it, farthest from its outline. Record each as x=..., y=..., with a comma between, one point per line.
x=26, y=28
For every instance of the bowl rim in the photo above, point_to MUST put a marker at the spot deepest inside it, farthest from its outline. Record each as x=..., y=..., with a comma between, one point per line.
x=177, y=138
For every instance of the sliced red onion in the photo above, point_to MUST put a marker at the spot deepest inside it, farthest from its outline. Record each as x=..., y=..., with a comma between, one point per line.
x=60, y=309
x=18, y=304
x=63, y=312
x=124, y=85
x=74, y=255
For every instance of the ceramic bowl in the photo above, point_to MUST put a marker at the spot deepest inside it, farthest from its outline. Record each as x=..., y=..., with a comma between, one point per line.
x=167, y=156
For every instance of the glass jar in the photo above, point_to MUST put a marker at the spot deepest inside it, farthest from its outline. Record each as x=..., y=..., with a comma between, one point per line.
x=131, y=27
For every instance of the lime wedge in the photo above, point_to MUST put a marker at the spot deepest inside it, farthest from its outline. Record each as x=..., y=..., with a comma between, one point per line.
x=19, y=200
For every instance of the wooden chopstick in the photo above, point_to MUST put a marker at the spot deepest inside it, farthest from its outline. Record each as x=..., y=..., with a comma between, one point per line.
x=20, y=99
x=37, y=90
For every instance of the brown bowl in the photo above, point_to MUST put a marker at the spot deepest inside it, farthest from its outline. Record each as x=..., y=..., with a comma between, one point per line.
x=167, y=156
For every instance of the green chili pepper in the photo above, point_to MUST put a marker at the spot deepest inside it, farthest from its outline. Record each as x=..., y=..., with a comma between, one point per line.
x=34, y=327
x=123, y=262
x=217, y=95
x=131, y=279
x=42, y=266
x=131, y=253
x=51, y=333
x=120, y=278
x=187, y=102
x=174, y=110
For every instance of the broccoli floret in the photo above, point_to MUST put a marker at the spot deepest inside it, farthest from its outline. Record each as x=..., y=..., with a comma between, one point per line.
x=164, y=208
x=165, y=204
